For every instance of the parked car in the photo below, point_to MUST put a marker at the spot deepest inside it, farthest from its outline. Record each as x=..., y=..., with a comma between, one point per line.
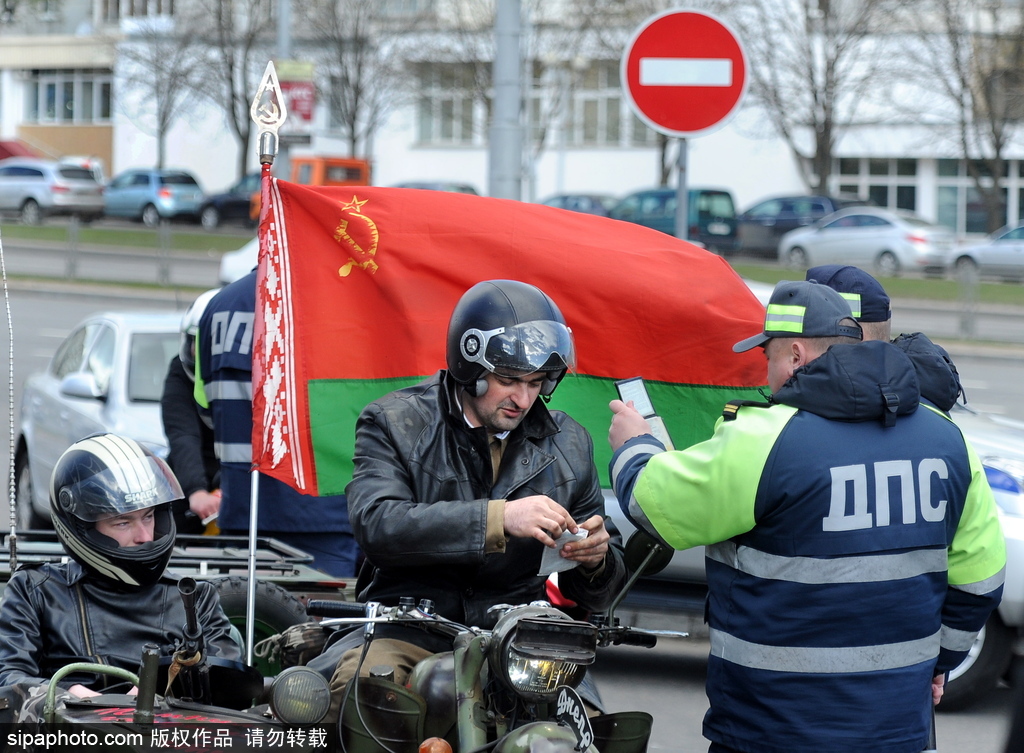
x=107, y=375
x=239, y=263
x=1001, y=255
x=888, y=242
x=439, y=185
x=153, y=195
x=230, y=206
x=588, y=203
x=712, y=215
x=37, y=188
x=760, y=228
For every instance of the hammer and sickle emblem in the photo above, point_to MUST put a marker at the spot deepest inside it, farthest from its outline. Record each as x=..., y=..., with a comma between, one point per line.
x=360, y=257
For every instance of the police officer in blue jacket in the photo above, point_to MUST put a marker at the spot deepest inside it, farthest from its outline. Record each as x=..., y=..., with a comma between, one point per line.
x=317, y=525
x=853, y=546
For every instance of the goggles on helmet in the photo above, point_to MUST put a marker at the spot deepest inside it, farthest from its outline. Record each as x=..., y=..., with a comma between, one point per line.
x=134, y=484
x=525, y=348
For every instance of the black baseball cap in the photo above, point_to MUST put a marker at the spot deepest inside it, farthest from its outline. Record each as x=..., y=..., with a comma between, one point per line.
x=803, y=309
x=867, y=297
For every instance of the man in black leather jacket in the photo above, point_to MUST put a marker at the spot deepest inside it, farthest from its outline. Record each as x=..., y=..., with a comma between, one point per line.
x=110, y=504
x=461, y=481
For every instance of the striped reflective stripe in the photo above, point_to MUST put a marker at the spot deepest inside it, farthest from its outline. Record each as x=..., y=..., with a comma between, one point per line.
x=784, y=318
x=854, y=300
x=870, y=569
x=229, y=390
x=630, y=453
x=956, y=640
x=982, y=587
x=233, y=452
x=824, y=660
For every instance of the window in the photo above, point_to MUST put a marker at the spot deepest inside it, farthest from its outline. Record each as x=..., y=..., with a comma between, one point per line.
x=595, y=118
x=69, y=96
x=148, y=357
x=887, y=182
x=766, y=209
x=961, y=206
x=447, y=111
x=69, y=355
x=101, y=359
x=114, y=10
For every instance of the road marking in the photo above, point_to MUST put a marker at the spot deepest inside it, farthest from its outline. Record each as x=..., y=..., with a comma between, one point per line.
x=685, y=72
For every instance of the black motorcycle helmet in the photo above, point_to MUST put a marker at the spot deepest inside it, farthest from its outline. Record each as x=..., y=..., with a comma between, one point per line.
x=509, y=328
x=106, y=475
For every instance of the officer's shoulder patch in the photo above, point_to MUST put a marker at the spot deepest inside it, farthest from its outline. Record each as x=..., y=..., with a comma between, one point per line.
x=733, y=406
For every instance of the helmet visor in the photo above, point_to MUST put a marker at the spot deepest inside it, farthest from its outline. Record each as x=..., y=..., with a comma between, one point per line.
x=526, y=348
x=132, y=485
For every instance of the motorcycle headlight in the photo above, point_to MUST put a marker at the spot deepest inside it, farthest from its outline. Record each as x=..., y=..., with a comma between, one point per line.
x=300, y=695
x=536, y=650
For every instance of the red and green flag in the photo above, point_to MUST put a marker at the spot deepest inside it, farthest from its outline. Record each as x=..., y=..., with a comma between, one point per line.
x=356, y=285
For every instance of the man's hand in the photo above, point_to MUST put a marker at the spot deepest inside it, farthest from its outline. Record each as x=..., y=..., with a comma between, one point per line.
x=204, y=503
x=938, y=686
x=590, y=551
x=537, y=517
x=626, y=423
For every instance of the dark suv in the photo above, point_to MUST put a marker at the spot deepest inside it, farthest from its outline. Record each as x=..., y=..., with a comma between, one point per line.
x=712, y=215
x=760, y=228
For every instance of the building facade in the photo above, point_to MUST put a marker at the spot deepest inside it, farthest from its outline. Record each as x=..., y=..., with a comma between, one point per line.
x=64, y=91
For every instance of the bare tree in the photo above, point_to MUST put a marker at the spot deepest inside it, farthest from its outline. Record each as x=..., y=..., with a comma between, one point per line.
x=813, y=67
x=162, y=67
x=360, y=75
x=237, y=35
x=967, y=58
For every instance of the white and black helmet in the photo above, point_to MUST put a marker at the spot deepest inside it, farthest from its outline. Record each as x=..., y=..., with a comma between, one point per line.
x=190, y=330
x=106, y=475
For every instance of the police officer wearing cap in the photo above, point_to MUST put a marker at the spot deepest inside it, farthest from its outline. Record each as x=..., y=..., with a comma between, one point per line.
x=853, y=548
x=110, y=501
x=937, y=376
x=463, y=480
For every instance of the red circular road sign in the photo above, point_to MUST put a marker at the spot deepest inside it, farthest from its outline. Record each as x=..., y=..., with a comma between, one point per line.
x=684, y=73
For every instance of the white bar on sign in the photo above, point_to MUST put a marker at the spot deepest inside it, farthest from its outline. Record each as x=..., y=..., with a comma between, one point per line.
x=685, y=72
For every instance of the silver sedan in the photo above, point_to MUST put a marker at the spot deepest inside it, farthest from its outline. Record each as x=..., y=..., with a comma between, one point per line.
x=887, y=242
x=107, y=375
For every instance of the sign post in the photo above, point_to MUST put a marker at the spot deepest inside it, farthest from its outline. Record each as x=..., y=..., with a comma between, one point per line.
x=684, y=74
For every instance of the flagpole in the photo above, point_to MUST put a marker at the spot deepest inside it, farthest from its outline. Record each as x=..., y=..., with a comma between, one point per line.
x=268, y=111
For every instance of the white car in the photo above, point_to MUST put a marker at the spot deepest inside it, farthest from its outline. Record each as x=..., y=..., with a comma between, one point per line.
x=888, y=242
x=107, y=375
x=1001, y=255
x=239, y=263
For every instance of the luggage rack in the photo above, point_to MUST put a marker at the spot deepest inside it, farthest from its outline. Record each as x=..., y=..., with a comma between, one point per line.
x=199, y=556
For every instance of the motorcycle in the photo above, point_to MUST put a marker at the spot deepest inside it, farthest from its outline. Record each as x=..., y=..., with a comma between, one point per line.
x=188, y=701
x=510, y=689
x=516, y=687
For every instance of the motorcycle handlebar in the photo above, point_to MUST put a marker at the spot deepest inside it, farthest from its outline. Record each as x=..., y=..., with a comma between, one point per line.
x=635, y=638
x=330, y=608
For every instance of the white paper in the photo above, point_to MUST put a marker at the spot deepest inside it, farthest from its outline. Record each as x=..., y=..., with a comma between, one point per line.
x=552, y=560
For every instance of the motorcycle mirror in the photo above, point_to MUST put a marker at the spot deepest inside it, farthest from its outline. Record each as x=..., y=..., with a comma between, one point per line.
x=644, y=555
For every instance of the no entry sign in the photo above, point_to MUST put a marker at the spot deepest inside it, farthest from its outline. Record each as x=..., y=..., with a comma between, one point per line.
x=684, y=73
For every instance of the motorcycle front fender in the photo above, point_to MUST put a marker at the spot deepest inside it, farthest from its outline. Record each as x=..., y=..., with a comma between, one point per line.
x=557, y=739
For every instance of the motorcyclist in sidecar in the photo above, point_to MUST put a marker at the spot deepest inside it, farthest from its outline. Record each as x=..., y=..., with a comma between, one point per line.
x=110, y=503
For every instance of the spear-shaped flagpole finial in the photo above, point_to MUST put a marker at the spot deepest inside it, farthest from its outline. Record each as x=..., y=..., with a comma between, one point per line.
x=268, y=112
